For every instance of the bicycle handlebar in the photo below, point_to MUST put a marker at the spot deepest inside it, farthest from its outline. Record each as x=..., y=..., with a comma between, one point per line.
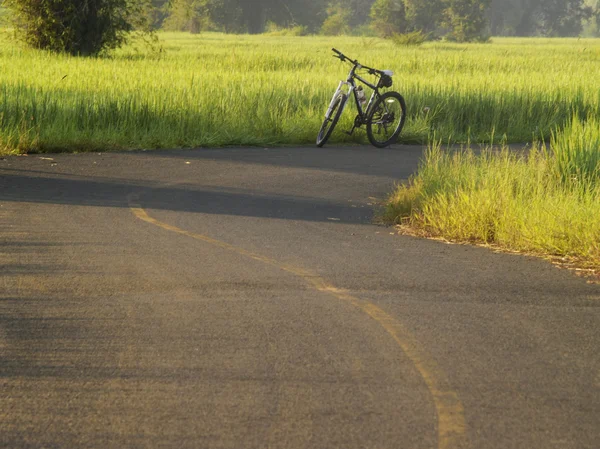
x=342, y=57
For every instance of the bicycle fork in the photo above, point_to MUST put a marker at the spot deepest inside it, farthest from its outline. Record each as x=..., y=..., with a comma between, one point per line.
x=335, y=96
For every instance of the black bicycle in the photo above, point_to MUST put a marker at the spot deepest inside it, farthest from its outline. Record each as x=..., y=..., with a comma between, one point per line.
x=384, y=114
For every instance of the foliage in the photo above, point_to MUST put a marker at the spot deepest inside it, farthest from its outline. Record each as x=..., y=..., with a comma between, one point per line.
x=591, y=26
x=84, y=27
x=539, y=17
x=336, y=22
x=466, y=20
x=388, y=17
x=423, y=15
x=273, y=29
x=3, y=14
x=205, y=15
x=563, y=17
x=191, y=15
x=462, y=20
x=157, y=12
x=413, y=38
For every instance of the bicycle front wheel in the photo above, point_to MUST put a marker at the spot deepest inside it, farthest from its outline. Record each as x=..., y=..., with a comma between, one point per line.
x=331, y=119
x=386, y=119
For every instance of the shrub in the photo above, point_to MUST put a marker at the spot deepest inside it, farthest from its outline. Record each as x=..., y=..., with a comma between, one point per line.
x=409, y=39
x=272, y=29
x=78, y=27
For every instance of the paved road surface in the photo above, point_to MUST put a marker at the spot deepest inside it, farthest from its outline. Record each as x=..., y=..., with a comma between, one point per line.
x=242, y=298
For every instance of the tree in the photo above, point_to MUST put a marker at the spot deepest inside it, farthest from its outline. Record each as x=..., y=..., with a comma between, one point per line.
x=504, y=16
x=309, y=13
x=359, y=11
x=336, y=22
x=539, y=17
x=188, y=15
x=157, y=13
x=467, y=20
x=201, y=15
x=461, y=20
x=388, y=17
x=78, y=27
x=563, y=17
x=592, y=25
x=423, y=15
x=254, y=13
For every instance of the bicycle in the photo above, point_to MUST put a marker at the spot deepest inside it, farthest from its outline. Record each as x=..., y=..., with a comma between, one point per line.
x=384, y=114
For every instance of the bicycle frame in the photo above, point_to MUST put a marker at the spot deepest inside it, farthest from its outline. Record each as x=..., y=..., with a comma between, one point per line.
x=352, y=87
x=351, y=84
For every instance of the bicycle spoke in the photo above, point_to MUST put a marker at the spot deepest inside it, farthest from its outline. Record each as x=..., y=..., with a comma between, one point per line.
x=387, y=120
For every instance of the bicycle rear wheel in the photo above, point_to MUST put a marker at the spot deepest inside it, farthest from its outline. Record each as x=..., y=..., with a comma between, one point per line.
x=331, y=119
x=386, y=119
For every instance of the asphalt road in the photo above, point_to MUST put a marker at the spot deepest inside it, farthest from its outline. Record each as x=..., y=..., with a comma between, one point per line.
x=243, y=298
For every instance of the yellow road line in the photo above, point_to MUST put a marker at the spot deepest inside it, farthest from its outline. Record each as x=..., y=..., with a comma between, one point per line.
x=450, y=412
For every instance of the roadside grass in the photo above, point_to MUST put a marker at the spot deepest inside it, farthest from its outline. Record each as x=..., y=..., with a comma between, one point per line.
x=215, y=90
x=544, y=202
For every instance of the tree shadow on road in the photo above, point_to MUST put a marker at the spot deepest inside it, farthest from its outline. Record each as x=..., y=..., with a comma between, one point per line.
x=396, y=162
x=22, y=186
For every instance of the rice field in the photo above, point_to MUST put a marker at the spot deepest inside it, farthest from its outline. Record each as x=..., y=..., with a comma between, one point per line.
x=215, y=90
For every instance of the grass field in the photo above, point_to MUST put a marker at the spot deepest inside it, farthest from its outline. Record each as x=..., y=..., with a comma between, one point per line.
x=215, y=89
x=545, y=202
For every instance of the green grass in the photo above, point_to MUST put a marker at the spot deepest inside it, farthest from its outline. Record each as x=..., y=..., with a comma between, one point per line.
x=546, y=202
x=215, y=89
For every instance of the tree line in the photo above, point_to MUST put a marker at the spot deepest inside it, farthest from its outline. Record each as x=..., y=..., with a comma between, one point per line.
x=466, y=19
x=86, y=27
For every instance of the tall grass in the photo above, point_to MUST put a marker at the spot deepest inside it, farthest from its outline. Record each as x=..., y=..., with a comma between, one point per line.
x=546, y=201
x=216, y=89
x=577, y=154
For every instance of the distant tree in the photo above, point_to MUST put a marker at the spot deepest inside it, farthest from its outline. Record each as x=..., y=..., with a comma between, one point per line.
x=527, y=23
x=227, y=15
x=462, y=19
x=563, y=17
x=251, y=16
x=254, y=14
x=157, y=13
x=423, y=15
x=336, y=22
x=592, y=24
x=78, y=27
x=388, y=17
x=540, y=17
x=309, y=13
x=467, y=20
x=504, y=16
x=202, y=15
x=359, y=11
x=188, y=15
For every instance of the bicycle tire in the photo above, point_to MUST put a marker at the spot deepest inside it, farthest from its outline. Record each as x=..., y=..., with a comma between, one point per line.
x=329, y=123
x=382, y=116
